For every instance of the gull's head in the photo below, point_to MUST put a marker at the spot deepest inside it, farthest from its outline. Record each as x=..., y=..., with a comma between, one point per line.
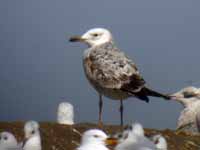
x=31, y=128
x=65, y=113
x=7, y=140
x=189, y=93
x=94, y=37
x=94, y=136
x=137, y=129
x=159, y=141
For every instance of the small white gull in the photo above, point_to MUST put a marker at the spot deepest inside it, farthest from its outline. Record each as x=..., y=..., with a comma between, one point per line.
x=32, y=136
x=65, y=113
x=135, y=140
x=159, y=141
x=8, y=141
x=93, y=139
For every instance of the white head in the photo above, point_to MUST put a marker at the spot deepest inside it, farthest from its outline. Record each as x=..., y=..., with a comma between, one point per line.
x=187, y=95
x=65, y=113
x=31, y=128
x=32, y=135
x=7, y=140
x=94, y=37
x=94, y=136
x=160, y=142
x=137, y=129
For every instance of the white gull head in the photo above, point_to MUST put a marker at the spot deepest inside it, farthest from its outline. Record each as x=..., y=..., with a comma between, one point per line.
x=7, y=141
x=65, y=113
x=93, y=139
x=94, y=37
x=160, y=142
x=32, y=135
x=187, y=96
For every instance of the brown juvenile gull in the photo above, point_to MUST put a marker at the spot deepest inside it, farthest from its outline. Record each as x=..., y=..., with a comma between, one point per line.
x=110, y=71
x=189, y=97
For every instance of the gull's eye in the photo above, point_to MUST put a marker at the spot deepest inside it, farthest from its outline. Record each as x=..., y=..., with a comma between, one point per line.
x=96, y=136
x=120, y=135
x=188, y=95
x=33, y=132
x=95, y=34
x=5, y=138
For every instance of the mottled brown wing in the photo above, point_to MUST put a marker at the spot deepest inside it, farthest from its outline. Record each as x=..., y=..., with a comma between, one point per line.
x=112, y=69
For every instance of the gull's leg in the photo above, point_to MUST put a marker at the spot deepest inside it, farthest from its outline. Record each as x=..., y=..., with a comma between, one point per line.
x=121, y=109
x=100, y=124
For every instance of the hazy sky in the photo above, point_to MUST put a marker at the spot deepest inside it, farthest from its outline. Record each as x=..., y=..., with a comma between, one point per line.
x=40, y=68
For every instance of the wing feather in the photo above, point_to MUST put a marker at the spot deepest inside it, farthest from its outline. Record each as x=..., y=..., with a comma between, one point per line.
x=112, y=69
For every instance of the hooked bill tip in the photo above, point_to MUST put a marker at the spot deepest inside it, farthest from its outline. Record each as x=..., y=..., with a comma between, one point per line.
x=75, y=39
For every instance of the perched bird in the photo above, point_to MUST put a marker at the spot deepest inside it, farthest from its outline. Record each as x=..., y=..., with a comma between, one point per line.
x=110, y=71
x=93, y=139
x=8, y=141
x=32, y=136
x=65, y=113
x=135, y=140
x=160, y=142
x=189, y=97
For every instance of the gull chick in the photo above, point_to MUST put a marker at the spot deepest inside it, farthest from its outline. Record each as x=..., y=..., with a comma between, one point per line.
x=110, y=71
x=32, y=136
x=65, y=113
x=93, y=139
x=189, y=97
x=8, y=141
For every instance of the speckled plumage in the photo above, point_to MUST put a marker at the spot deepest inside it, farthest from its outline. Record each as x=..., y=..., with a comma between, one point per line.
x=108, y=70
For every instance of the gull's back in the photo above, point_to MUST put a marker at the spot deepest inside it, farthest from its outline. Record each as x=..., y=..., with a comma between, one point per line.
x=108, y=68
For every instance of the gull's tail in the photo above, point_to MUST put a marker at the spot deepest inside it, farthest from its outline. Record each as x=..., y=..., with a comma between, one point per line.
x=145, y=92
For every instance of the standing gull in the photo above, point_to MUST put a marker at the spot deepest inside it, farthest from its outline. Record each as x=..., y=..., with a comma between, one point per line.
x=110, y=71
x=189, y=97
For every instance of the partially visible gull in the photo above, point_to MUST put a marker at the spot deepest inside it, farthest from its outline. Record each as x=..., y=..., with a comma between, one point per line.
x=160, y=142
x=32, y=136
x=189, y=97
x=110, y=71
x=8, y=141
x=93, y=139
x=65, y=113
x=134, y=139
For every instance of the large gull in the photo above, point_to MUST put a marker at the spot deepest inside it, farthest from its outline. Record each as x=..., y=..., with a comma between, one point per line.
x=110, y=71
x=189, y=97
